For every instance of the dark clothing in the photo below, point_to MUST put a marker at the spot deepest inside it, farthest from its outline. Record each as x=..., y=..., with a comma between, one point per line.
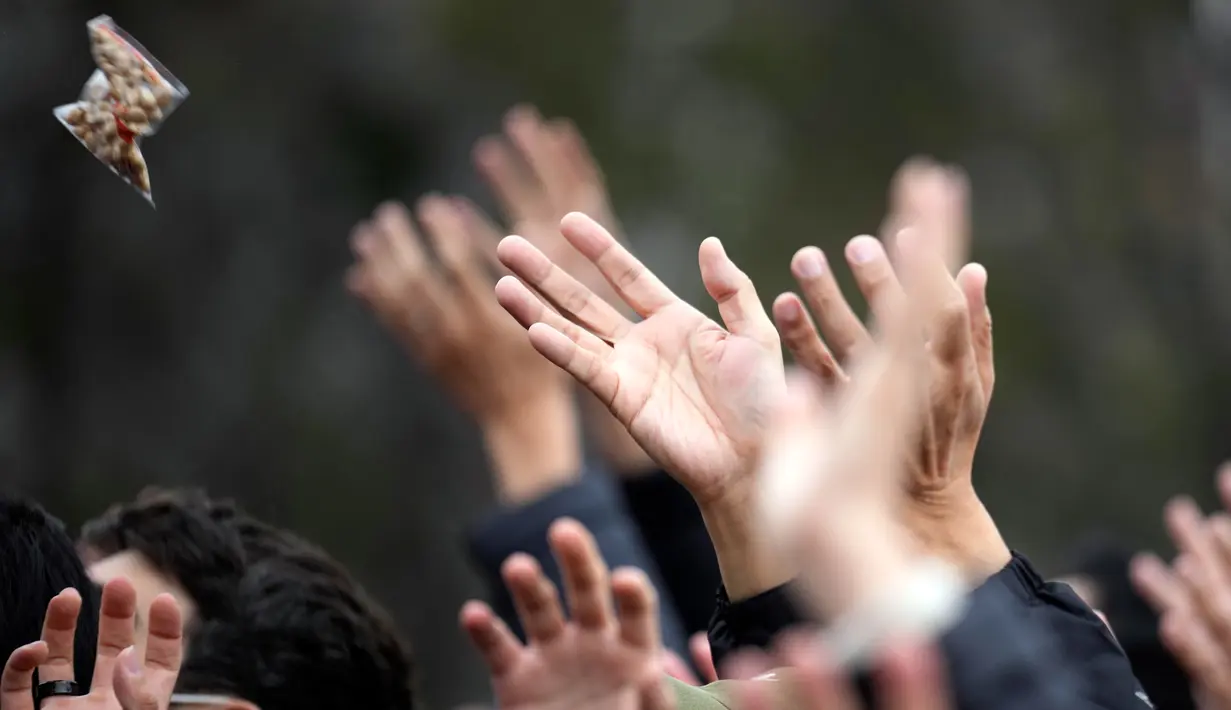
x=673, y=530
x=594, y=502
x=1022, y=637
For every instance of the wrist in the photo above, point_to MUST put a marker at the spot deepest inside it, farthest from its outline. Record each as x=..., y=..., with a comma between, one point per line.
x=955, y=526
x=867, y=559
x=748, y=563
x=533, y=450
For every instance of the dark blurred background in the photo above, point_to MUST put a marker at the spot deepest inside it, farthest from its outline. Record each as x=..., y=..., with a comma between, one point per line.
x=212, y=342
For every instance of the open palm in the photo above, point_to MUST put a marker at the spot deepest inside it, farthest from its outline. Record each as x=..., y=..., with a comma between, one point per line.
x=692, y=393
x=605, y=655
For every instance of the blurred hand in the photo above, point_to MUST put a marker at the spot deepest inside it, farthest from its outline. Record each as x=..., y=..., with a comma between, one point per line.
x=540, y=171
x=944, y=510
x=831, y=475
x=692, y=393
x=910, y=678
x=1193, y=595
x=122, y=680
x=602, y=657
x=445, y=315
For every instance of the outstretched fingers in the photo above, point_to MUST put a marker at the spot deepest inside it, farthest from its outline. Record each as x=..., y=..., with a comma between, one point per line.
x=17, y=682
x=593, y=371
x=973, y=281
x=637, y=605
x=800, y=336
x=490, y=637
x=735, y=295
x=632, y=280
x=586, y=579
x=561, y=289
x=839, y=326
x=526, y=308
x=59, y=630
x=116, y=630
x=535, y=598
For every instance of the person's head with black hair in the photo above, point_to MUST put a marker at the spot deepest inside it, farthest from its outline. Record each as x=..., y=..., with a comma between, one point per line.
x=303, y=638
x=166, y=541
x=1099, y=573
x=293, y=629
x=37, y=562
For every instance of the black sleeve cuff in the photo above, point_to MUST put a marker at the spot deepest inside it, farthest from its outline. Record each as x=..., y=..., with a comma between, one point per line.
x=752, y=622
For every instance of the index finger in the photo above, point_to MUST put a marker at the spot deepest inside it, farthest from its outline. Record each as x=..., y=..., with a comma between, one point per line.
x=59, y=631
x=116, y=622
x=17, y=682
x=164, y=645
x=636, y=284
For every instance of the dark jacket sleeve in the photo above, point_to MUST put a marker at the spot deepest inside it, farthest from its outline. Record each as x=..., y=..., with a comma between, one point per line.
x=750, y=623
x=673, y=530
x=1083, y=640
x=594, y=502
x=1000, y=658
x=1018, y=629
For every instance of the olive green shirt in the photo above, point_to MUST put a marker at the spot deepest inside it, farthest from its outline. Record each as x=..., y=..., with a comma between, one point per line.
x=723, y=695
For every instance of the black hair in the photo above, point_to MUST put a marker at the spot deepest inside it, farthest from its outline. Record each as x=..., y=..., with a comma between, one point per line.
x=303, y=638
x=37, y=562
x=175, y=533
x=296, y=630
x=1104, y=560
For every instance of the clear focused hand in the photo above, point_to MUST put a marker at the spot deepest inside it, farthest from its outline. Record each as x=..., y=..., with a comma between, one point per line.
x=596, y=660
x=692, y=393
x=122, y=680
x=1193, y=595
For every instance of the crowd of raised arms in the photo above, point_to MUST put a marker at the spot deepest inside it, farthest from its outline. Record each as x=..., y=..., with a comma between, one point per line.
x=742, y=533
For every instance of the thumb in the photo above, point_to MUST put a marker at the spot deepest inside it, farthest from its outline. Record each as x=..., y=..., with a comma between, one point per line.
x=129, y=683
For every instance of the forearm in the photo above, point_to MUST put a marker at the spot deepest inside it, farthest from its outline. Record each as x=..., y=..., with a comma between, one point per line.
x=747, y=563
x=534, y=449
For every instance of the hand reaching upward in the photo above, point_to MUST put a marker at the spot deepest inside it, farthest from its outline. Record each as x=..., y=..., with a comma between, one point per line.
x=691, y=392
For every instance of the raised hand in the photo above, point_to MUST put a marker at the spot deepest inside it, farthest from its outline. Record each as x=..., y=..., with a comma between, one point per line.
x=444, y=312
x=692, y=393
x=605, y=656
x=442, y=309
x=933, y=198
x=540, y=171
x=1193, y=595
x=831, y=475
x=123, y=680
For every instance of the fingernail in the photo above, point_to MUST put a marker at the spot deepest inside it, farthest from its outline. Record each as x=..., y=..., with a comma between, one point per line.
x=789, y=311
x=132, y=664
x=810, y=263
x=863, y=249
